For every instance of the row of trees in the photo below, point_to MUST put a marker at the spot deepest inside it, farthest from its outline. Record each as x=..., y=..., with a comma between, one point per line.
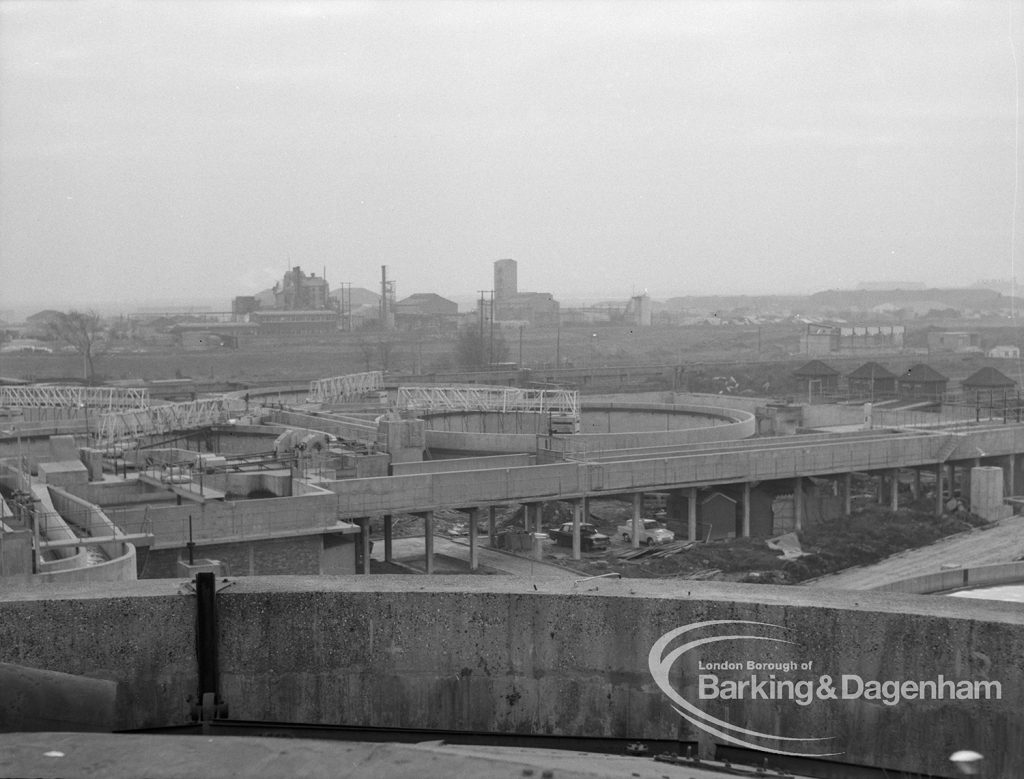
x=84, y=332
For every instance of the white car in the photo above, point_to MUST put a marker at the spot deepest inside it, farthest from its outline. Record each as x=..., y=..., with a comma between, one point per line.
x=651, y=532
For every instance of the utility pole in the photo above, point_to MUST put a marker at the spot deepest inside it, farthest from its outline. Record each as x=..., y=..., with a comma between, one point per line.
x=490, y=349
x=480, y=310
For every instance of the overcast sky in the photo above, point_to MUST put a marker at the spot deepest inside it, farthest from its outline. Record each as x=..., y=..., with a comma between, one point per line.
x=164, y=150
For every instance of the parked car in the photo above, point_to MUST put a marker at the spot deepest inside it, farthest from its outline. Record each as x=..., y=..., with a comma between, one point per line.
x=651, y=532
x=591, y=539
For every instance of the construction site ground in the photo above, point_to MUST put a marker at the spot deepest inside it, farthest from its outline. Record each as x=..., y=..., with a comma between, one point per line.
x=872, y=547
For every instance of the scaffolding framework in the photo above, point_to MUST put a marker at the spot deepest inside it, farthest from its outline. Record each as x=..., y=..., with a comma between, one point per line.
x=100, y=399
x=471, y=397
x=349, y=387
x=172, y=417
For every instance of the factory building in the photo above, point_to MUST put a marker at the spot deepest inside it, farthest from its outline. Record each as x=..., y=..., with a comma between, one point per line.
x=299, y=292
x=426, y=310
x=512, y=305
x=302, y=307
x=836, y=339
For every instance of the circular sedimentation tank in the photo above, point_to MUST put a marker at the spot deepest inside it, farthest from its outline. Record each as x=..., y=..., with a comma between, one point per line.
x=603, y=425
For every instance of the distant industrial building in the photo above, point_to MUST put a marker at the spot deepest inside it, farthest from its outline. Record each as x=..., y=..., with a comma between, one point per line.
x=426, y=310
x=840, y=339
x=1004, y=352
x=953, y=341
x=295, y=322
x=302, y=307
x=299, y=292
x=512, y=305
x=638, y=311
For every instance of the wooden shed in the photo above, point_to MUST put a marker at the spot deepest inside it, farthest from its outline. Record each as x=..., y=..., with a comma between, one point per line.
x=988, y=386
x=922, y=382
x=817, y=378
x=872, y=381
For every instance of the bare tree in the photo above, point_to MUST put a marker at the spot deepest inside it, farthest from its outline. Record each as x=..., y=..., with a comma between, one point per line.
x=82, y=331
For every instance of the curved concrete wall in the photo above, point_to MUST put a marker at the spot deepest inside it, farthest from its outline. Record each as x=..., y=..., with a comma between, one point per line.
x=694, y=424
x=545, y=657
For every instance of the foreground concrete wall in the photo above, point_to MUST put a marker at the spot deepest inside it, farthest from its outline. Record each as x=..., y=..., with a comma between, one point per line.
x=565, y=658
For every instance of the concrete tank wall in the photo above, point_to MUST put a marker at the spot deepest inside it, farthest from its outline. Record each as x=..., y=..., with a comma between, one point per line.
x=544, y=657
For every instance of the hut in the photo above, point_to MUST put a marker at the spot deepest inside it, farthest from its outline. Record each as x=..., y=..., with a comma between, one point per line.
x=820, y=379
x=922, y=382
x=872, y=381
x=989, y=388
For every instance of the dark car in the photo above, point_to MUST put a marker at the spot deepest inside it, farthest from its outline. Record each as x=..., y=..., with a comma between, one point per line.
x=591, y=539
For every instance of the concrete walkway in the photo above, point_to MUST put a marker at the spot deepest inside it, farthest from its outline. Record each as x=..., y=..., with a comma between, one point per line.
x=1001, y=544
x=410, y=551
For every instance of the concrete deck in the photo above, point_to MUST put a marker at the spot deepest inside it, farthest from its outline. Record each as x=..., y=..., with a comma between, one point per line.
x=52, y=755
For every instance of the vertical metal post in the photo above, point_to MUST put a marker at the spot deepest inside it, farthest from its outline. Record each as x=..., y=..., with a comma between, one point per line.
x=209, y=703
x=492, y=531
x=894, y=485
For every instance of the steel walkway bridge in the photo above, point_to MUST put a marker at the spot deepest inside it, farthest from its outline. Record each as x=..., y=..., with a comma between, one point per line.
x=100, y=399
x=340, y=388
x=496, y=399
x=120, y=426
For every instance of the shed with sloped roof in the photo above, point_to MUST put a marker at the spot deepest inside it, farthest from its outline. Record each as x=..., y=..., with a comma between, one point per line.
x=922, y=382
x=872, y=381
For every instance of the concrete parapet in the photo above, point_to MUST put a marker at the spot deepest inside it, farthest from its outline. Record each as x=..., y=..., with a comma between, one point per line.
x=550, y=657
x=956, y=577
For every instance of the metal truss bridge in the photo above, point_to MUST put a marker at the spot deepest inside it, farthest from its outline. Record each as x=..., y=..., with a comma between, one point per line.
x=172, y=417
x=98, y=399
x=348, y=387
x=470, y=397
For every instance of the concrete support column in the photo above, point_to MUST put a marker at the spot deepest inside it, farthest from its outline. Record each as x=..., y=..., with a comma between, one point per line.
x=474, y=541
x=915, y=489
x=428, y=540
x=938, y=489
x=1010, y=480
x=745, y=528
x=798, y=502
x=387, y=538
x=847, y=494
x=364, y=540
x=538, y=528
x=894, y=489
x=950, y=478
x=577, y=513
x=880, y=489
x=691, y=527
x=634, y=534
x=492, y=530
